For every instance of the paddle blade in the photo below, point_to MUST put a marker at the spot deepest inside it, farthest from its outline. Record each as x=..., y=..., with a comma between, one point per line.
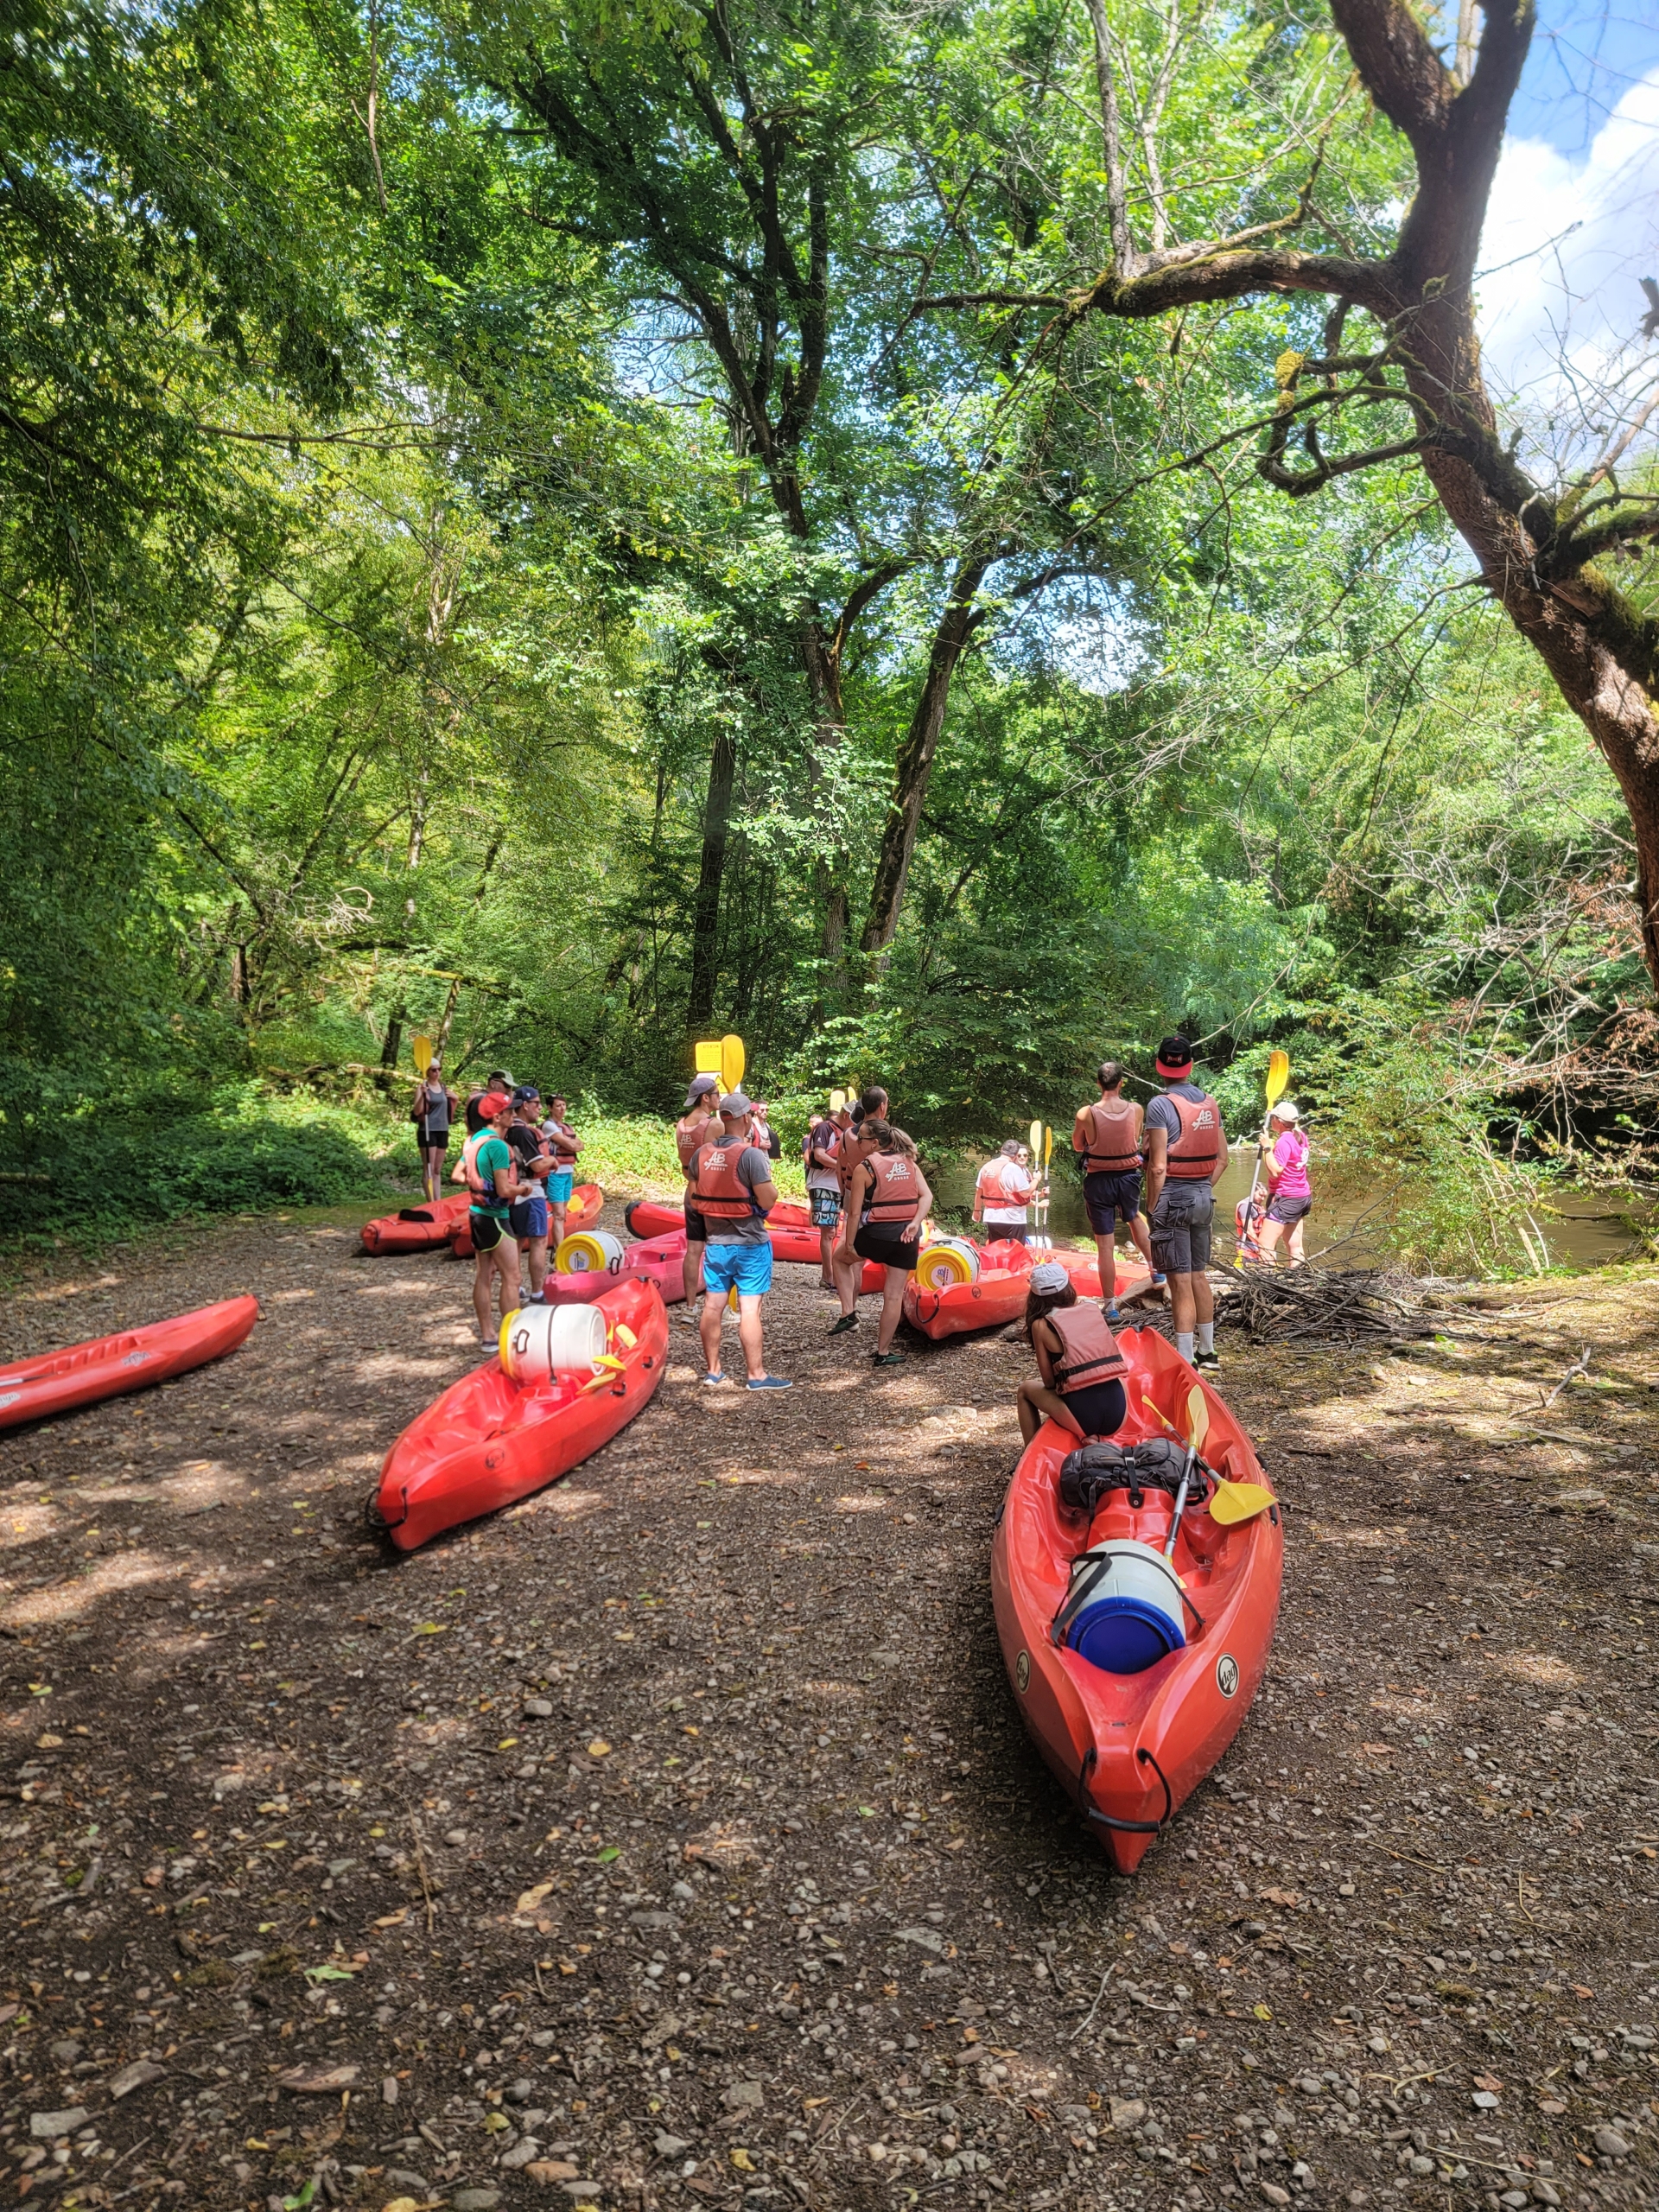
x=837, y=1100
x=1157, y=1415
x=731, y=1062
x=1048, y=1146
x=1235, y=1502
x=1198, y=1418
x=421, y=1047
x=1278, y=1077
x=1035, y=1133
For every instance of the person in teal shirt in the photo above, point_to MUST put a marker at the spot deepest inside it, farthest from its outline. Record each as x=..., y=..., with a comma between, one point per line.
x=492, y=1178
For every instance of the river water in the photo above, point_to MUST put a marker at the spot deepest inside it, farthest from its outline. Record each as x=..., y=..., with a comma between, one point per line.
x=1584, y=1230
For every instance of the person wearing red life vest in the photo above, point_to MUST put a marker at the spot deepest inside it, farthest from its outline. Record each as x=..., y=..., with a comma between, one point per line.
x=888, y=1198
x=1002, y=1193
x=1186, y=1157
x=1080, y=1367
x=1107, y=1139
x=699, y=1121
x=729, y=1181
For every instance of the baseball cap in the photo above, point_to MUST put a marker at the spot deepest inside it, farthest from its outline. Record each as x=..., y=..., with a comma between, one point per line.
x=736, y=1102
x=1048, y=1275
x=1284, y=1111
x=526, y=1094
x=701, y=1086
x=493, y=1102
x=1174, y=1056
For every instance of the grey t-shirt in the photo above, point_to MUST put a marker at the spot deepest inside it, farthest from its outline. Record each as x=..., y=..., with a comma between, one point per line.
x=752, y=1169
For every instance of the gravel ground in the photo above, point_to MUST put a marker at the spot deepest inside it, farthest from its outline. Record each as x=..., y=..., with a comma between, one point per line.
x=673, y=1837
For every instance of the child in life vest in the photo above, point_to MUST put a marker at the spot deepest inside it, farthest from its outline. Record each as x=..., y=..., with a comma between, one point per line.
x=1081, y=1368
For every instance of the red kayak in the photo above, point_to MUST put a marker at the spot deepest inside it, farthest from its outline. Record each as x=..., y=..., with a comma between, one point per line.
x=997, y=1294
x=582, y=1210
x=1131, y=1747
x=788, y=1225
x=662, y=1261
x=60, y=1381
x=416, y=1229
x=489, y=1440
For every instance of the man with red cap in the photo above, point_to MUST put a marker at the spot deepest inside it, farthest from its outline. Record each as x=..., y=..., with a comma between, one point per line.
x=1186, y=1156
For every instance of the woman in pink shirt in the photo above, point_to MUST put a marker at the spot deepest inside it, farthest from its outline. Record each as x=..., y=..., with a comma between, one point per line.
x=1290, y=1194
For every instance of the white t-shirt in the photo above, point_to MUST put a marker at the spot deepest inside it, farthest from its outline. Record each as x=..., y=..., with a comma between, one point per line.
x=1000, y=1183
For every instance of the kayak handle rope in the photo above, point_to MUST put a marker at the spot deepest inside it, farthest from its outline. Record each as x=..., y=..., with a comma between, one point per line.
x=1109, y=1820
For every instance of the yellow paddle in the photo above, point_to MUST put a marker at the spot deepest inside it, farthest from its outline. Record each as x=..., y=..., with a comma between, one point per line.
x=731, y=1062
x=1278, y=1077
x=1231, y=1503
x=421, y=1047
x=837, y=1100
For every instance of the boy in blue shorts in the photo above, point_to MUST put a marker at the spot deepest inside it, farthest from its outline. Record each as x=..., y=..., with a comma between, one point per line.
x=729, y=1181
x=564, y=1145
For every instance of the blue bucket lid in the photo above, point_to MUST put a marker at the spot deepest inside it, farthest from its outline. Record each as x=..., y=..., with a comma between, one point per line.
x=1124, y=1636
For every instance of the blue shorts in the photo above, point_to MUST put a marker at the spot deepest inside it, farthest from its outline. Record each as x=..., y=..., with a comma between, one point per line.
x=559, y=1186
x=732, y=1265
x=528, y=1217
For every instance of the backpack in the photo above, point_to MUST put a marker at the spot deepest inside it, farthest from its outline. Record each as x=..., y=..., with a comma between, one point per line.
x=1093, y=1469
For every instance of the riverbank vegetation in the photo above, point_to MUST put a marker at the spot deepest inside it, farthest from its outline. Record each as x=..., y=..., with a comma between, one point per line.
x=567, y=530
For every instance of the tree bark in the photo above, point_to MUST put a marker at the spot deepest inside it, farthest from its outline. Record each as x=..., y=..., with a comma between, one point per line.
x=705, y=913
x=915, y=761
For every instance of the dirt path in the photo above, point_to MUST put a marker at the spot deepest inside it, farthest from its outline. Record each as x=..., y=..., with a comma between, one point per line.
x=674, y=1837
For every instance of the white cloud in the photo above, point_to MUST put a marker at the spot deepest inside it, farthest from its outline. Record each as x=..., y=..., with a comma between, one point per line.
x=1560, y=307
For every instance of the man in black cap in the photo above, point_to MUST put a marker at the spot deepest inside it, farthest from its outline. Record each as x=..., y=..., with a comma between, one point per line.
x=1186, y=1156
x=699, y=1121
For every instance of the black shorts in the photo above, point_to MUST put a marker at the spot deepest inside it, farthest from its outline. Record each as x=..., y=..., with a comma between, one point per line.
x=1100, y=1409
x=434, y=1139
x=487, y=1230
x=1290, y=1210
x=1112, y=1197
x=696, y=1229
x=1010, y=1232
x=886, y=1247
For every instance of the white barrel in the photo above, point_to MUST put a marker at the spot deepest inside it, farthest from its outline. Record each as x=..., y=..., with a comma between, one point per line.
x=588, y=1251
x=946, y=1261
x=541, y=1342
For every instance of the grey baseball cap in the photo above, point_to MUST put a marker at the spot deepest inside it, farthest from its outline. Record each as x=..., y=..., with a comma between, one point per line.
x=736, y=1102
x=701, y=1086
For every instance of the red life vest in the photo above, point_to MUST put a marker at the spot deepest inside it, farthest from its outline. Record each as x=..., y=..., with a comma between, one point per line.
x=1109, y=1146
x=1192, y=1156
x=720, y=1196
x=998, y=1188
x=689, y=1134
x=895, y=1187
x=1091, y=1355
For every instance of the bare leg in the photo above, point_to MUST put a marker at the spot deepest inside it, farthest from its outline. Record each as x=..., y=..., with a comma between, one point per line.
x=827, y=1259
x=483, y=1275
x=748, y=1332
x=1037, y=1404
x=432, y=1175
x=1143, y=1239
x=849, y=1268
x=534, y=1250
x=505, y=1256
x=893, y=1306
x=691, y=1274
x=556, y=1209
x=714, y=1312
x=1293, y=1243
x=1267, y=1242
x=1106, y=1252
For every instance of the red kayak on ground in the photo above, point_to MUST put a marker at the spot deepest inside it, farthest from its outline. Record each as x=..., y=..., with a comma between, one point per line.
x=489, y=1440
x=416, y=1229
x=582, y=1210
x=662, y=1261
x=997, y=1295
x=108, y=1367
x=1130, y=1748
x=789, y=1227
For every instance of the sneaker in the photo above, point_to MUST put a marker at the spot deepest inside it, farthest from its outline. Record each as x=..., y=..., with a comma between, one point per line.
x=887, y=1359
x=1158, y=1281
x=846, y=1321
x=768, y=1382
x=1206, y=1359
x=716, y=1377
x=1114, y=1318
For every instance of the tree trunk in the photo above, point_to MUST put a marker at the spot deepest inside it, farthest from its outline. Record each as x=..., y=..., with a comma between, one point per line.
x=915, y=761
x=705, y=916
x=394, y=1042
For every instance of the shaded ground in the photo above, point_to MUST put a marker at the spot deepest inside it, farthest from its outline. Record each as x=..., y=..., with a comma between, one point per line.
x=675, y=1838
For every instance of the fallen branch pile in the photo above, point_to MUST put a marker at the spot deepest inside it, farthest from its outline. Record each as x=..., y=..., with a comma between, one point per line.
x=1338, y=1305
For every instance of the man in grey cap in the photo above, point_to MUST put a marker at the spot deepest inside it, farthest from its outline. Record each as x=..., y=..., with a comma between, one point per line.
x=699, y=1121
x=729, y=1182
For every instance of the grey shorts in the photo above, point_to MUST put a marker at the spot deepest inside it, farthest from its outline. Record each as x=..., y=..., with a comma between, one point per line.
x=1289, y=1211
x=1180, y=1226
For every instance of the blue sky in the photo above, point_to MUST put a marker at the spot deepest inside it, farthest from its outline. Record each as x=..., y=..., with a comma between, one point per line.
x=1585, y=56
